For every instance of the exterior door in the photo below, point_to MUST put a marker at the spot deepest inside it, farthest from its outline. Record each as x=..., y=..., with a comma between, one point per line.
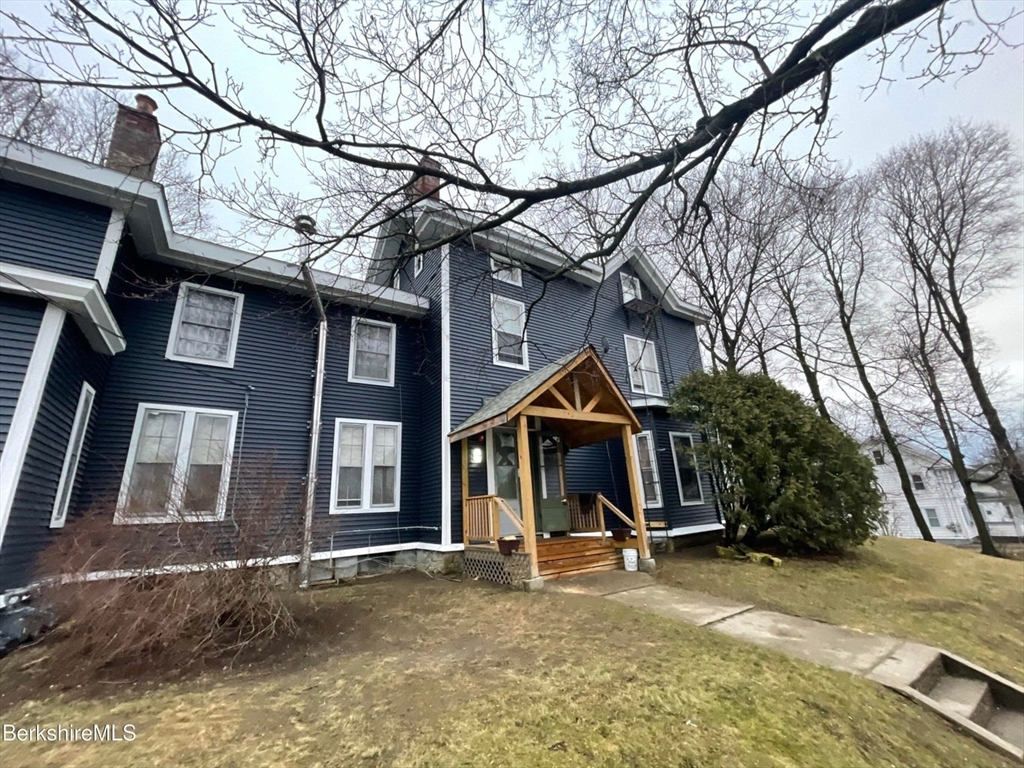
x=504, y=464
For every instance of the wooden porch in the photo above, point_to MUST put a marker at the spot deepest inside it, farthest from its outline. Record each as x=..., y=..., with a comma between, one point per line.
x=577, y=403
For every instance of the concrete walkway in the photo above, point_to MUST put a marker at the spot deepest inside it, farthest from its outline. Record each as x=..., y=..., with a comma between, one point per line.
x=859, y=653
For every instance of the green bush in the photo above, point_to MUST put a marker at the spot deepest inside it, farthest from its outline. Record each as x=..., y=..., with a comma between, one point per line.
x=778, y=465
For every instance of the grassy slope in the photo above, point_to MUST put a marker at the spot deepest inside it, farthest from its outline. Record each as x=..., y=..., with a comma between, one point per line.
x=437, y=674
x=956, y=599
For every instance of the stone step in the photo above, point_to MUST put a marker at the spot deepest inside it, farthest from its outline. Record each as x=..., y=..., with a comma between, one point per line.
x=965, y=696
x=1008, y=725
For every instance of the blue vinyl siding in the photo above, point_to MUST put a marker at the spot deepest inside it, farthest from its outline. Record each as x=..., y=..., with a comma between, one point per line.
x=28, y=530
x=47, y=231
x=565, y=315
x=20, y=318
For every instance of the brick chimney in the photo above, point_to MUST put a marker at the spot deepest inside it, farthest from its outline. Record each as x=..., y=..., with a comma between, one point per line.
x=135, y=141
x=424, y=184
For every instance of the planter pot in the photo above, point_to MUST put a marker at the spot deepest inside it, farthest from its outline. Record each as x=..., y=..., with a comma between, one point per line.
x=508, y=546
x=620, y=534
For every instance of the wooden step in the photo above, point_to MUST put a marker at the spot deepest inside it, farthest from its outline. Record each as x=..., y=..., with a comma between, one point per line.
x=581, y=571
x=548, y=549
x=580, y=562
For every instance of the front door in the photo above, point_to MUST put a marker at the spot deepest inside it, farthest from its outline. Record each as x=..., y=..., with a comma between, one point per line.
x=505, y=479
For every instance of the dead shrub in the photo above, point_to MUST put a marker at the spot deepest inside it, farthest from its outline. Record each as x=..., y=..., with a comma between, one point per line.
x=175, y=593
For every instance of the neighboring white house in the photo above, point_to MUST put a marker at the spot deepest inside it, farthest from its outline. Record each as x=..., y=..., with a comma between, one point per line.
x=935, y=487
x=1002, y=511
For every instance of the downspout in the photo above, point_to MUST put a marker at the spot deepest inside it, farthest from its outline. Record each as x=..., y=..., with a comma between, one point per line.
x=306, y=227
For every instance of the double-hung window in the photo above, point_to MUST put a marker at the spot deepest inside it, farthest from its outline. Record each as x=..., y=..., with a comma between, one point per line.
x=72, y=456
x=933, y=517
x=878, y=456
x=367, y=466
x=205, y=326
x=687, y=477
x=508, y=336
x=179, y=465
x=642, y=358
x=918, y=481
x=647, y=459
x=505, y=272
x=417, y=264
x=630, y=287
x=371, y=358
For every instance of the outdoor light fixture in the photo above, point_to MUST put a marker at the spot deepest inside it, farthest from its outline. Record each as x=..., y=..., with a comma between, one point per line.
x=476, y=455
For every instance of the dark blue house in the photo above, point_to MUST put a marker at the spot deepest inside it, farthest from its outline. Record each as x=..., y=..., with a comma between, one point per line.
x=459, y=395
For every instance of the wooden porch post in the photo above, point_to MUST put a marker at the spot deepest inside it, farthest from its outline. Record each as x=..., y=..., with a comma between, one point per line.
x=635, y=491
x=526, y=493
x=465, y=489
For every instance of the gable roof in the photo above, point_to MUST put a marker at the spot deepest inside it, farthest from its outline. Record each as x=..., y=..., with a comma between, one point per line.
x=436, y=221
x=582, y=427
x=145, y=207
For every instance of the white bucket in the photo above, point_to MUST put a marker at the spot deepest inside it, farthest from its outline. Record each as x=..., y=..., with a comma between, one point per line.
x=631, y=559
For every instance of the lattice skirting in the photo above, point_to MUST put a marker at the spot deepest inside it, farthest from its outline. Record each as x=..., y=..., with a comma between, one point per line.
x=490, y=565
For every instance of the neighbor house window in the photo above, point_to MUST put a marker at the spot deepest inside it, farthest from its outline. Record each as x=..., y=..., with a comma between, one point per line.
x=417, y=265
x=205, y=326
x=879, y=457
x=179, y=465
x=72, y=456
x=642, y=358
x=630, y=288
x=396, y=280
x=933, y=517
x=918, y=482
x=372, y=354
x=505, y=272
x=367, y=466
x=687, y=478
x=647, y=459
x=508, y=338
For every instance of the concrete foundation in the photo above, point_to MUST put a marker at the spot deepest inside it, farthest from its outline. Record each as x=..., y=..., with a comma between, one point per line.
x=647, y=564
x=533, y=585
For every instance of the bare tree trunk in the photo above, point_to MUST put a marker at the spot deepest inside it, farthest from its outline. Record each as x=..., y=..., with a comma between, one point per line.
x=810, y=374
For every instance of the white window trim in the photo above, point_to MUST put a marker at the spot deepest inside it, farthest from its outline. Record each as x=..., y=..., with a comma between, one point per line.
x=366, y=507
x=660, y=503
x=352, y=378
x=525, y=365
x=417, y=264
x=514, y=273
x=675, y=463
x=180, y=467
x=634, y=286
x=69, y=473
x=629, y=366
x=179, y=306
x=938, y=517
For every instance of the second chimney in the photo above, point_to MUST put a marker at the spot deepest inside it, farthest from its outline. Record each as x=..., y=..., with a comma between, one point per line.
x=424, y=184
x=135, y=141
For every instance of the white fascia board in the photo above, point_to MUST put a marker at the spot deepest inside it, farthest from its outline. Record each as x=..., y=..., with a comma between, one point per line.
x=437, y=223
x=83, y=298
x=670, y=300
x=145, y=206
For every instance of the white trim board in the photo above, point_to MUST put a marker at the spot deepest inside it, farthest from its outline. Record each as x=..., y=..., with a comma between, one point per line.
x=81, y=297
x=111, y=245
x=446, y=399
x=685, y=530
x=26, y=411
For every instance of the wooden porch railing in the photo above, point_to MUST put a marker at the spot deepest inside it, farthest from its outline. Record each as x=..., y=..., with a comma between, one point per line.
x=483, y=518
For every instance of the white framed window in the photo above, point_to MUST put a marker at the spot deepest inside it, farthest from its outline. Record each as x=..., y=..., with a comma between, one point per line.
x=933, y=517
x=72, y=456
x=878, y=456
x=396, y=280
x=179, y=465
x=642, y=358
x=508, y=333
x=371, y=358
x=647, y=459
x=918, y=482
x=417, y=264
x=205, y=326
x=687, y=477
x=631, y=288
x=506, y=272
x=367, y=466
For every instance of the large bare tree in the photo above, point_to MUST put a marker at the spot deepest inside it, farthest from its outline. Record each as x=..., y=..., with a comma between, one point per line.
x=518, y=104
x=950, y=208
